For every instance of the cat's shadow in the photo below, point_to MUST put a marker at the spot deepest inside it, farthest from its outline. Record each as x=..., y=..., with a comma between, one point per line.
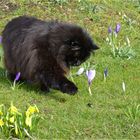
x=5, y=81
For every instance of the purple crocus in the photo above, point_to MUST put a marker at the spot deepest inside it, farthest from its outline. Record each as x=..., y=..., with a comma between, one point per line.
x=105, y=72
x=109, y=30
x=0, y=39
x=17, y=76
x=118, y=27
x=16, y=79
x=90, y=75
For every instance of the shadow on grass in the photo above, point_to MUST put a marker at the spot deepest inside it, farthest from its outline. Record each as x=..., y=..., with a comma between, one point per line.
x=29, y=87
x=3, y=77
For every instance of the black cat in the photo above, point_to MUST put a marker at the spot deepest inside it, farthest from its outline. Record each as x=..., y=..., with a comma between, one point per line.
x=44, y=51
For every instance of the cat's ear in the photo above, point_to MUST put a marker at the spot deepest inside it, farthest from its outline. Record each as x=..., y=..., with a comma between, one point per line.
x=95, y=47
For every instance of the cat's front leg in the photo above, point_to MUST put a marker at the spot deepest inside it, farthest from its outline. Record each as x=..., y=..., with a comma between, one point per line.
x=62, y=83
x=58, y=82
x=67, y=86
x=44, y=86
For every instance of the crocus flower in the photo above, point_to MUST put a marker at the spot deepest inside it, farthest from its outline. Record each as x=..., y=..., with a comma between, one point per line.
x=12, y=119
x=123, y=86
x=128, y=41
x=17, y=76
x=1, y=122
x=14, y=110
x=16, y=79
x=109, y=29
x=105, y=73
x=80, y=71
x=90, y=75
x=0, y=39
x=118, y=27
x=31, y=110
x=1, y=113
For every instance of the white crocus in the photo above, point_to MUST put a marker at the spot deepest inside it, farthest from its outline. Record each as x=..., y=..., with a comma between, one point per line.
x=123, y=86
x=80, y=71
x=128, y=41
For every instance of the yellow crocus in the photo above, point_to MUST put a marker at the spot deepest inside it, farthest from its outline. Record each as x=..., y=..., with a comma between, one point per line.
x=12, y=119
x=14, y=110
x=1, y=122
x=37, y=110
x=28, y=121
x=1, y=113
x=31, y=110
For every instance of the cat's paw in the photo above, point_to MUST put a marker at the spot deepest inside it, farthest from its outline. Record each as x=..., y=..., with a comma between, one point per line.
x=69, y=88
x=44, y=88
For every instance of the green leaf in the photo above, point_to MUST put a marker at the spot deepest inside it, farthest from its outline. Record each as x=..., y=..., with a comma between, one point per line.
x=16, y=128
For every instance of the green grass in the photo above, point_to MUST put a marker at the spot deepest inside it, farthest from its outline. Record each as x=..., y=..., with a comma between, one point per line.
x=114, y=114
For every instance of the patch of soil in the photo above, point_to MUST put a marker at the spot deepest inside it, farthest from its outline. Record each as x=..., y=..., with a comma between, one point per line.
x=7, y=6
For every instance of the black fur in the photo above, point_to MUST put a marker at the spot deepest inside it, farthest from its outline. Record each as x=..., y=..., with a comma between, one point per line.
x=44, y=51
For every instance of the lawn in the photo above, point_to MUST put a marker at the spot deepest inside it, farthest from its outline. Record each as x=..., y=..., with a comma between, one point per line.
x=111, y=112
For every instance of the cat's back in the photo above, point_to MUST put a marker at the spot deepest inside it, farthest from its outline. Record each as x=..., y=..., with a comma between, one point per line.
x=16, y=29
x=19, y=23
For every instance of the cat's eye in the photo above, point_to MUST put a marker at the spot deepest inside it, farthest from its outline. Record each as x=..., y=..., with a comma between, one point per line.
x=75, y=46
x=74, y=43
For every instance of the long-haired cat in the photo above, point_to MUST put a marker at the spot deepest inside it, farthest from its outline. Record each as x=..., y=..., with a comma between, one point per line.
x=44, y=51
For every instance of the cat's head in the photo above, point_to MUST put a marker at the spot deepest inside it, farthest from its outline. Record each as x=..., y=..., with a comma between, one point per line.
x=72, y=44
x=79, y=50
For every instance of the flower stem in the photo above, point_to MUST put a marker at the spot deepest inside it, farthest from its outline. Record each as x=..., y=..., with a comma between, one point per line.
x=89, y=89
x=28, y=134
x=14, y=85
x=71, y=77
x=104, y=78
